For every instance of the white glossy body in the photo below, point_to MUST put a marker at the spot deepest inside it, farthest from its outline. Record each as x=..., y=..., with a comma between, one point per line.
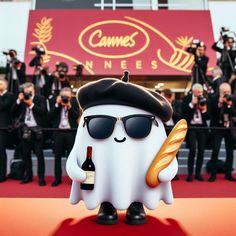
x=120, y=167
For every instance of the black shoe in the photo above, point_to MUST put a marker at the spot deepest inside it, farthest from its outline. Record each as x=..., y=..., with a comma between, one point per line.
x=189, y=178
x=230, y=178
x=176, y=177
x=56, y=183
x=42, y=182
x=199, y=178
x=212, y=178
x=135, y=214
x=26, y=180
x=107, y=214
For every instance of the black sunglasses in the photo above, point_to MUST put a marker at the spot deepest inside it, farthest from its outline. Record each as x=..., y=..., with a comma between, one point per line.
x=136, y=126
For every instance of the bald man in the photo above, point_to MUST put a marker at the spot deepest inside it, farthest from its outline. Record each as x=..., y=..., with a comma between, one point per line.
x=222, y=110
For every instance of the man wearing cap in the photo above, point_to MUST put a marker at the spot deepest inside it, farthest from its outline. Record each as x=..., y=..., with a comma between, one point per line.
x=57, y=80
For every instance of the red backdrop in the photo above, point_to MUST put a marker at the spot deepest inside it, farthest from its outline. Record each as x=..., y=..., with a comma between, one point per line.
x=108, y=42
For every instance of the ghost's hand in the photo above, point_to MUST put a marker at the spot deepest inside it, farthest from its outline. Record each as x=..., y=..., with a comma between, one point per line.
x=169, y=172
x=73, y=169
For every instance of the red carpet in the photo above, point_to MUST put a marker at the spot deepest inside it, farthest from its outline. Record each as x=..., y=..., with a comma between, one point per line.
x=181, y=189
x=56, y=217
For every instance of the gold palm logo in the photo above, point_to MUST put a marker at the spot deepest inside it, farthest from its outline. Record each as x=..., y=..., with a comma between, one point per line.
x=43, y=34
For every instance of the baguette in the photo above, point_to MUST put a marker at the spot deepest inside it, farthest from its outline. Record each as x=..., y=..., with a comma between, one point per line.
x=167, y=153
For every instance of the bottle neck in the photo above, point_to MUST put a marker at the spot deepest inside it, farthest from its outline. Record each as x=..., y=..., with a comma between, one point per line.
x=89, y=152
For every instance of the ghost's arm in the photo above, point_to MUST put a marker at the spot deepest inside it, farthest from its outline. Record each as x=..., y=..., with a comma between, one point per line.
x=72, y=167
x=169, y=172
x=74, y=192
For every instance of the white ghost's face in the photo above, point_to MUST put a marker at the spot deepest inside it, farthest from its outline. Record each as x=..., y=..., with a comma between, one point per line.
x=121, y=161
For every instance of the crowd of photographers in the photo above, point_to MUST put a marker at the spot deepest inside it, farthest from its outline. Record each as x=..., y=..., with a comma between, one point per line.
x=27, y=107
x=47, y=101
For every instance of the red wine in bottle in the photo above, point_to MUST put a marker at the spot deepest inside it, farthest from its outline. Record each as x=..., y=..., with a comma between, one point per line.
x=89, y=168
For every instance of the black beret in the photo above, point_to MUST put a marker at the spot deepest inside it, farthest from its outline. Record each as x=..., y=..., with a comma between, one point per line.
x=115, y=91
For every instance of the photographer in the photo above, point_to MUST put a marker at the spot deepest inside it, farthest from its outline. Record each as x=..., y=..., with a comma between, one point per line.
x=6, y=101
x=198, y=49
x=222, y=109
x=15, y=71
x=194, y=110
x=57, y=80
x=31, y=109
x=64, y=114
x=225, y=46
x=38, y=79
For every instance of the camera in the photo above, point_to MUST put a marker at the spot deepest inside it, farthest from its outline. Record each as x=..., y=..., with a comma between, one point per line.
x=26, y=134
x=202, y=101
x=65, y=99
x=38, y=50
x=228, y=97
x=78, y=69
x=227, y=34
x=198, y=43
x=27, y=96
x=11, y=53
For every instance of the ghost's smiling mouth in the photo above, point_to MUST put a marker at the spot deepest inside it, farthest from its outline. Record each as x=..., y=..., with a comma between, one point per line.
x=120, y=140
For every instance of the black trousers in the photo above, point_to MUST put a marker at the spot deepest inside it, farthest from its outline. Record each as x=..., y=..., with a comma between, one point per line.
x=36, y=145
x=196, y=141
x=63, y=141
x=229, y=146
x=3, y=155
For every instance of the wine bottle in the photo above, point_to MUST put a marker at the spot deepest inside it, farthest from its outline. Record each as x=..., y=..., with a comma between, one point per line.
x=89, y=169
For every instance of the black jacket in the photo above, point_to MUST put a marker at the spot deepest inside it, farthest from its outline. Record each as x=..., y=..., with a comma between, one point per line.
x=188, y=112
x=199, y=68
x=49, y=83
x=20, y=73
x=216, y=84
x=227, y=60
x=216, y=113
x=55, y=114
x=6, y=102
x=39, y=110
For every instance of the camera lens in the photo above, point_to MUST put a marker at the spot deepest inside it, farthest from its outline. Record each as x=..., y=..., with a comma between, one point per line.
x=27, y=96
x=65, y=99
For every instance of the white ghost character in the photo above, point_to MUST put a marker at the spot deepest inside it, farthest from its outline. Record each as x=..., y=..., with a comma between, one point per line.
x=121, y=162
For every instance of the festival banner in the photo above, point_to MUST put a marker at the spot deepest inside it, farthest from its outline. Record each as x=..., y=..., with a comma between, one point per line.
x=108, y=42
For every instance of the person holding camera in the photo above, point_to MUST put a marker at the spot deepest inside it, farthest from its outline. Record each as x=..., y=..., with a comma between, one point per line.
x=194, y=110
x=198, y=49
x=6, y=101
x=15, y=71
x=58, y=80
x=222, y=109
x=31, y=110
x=225, y=46
x=64, y=114
x=39, y=78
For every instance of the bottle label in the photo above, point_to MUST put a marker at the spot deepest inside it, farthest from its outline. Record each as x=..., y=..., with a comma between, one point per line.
x=90, y=176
